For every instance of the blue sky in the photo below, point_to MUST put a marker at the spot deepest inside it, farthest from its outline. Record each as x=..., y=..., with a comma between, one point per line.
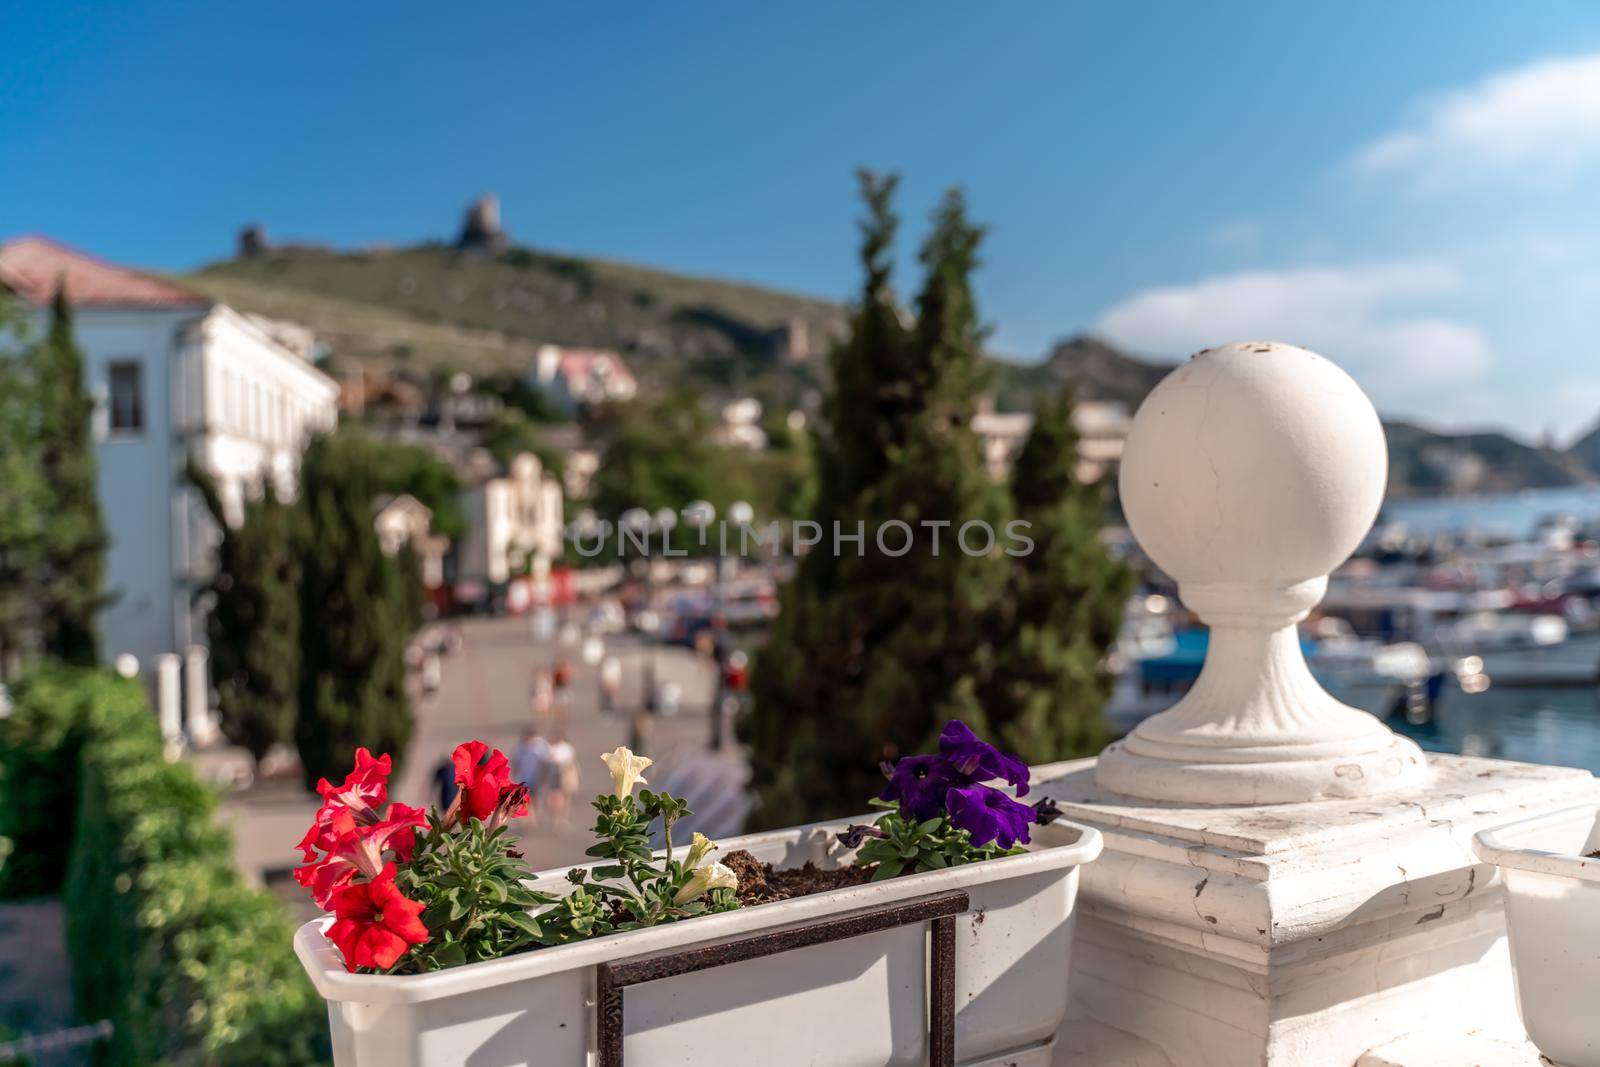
x=1409, y=188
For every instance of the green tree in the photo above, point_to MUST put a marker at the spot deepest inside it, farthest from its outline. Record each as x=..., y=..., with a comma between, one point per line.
x=874, y=649
x=1063, y=605
x=23, y=496
x=401, y=467
x=510, y=433
x=662, y=454
x=413, y=595
x=658, y=454
x=354, y=616
x=74, y=541
x=254, y=621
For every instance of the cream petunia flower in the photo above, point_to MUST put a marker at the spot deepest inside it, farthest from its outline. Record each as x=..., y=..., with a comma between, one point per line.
x=698, y=848
x=626, y=769
x=704, y=880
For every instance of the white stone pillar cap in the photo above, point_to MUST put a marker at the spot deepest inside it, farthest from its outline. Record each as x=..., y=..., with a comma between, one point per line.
x=1249, y=474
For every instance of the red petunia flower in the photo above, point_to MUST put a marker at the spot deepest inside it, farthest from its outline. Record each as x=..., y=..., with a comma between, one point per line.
x=513, y=804
x=481, y=780
x=375, y=923
x=357, y=847
x=362, y=793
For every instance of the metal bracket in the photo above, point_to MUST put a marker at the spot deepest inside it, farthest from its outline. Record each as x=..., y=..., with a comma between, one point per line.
x=940, y=909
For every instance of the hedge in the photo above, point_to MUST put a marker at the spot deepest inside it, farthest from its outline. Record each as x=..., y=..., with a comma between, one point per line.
x=190, y=964
x=39, y=782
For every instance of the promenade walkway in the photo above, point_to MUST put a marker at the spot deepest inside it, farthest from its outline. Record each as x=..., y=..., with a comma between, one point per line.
x=484, y=694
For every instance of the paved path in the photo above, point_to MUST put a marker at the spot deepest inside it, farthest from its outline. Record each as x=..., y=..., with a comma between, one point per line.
x=484, y=695
x=35, y=976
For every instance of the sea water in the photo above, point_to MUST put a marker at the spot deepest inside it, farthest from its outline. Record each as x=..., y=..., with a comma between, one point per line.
x=1558, y=725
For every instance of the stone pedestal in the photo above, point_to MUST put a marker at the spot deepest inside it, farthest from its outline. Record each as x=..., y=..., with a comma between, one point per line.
x=1304, y=934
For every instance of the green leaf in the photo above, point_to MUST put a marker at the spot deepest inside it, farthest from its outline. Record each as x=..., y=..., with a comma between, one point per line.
x=526, y=923
x=887, y=869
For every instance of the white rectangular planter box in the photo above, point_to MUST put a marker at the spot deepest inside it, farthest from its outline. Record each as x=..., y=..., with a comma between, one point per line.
x=861, y=1002
x=1553, y=921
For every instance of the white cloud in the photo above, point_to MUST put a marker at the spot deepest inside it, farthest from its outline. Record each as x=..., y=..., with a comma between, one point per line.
x=1361, y=317
x=1541, y=121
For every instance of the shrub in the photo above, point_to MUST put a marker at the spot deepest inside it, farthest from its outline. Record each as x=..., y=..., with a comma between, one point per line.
x=36, y=798
x=190, y=964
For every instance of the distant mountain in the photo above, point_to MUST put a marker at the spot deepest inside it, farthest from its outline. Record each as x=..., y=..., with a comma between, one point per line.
x=1587, y=449
x=433, y=308
x=1421, y=461
x=1100, y=372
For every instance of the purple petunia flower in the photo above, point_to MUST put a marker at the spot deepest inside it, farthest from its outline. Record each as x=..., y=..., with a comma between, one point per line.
x=919, y=784
x=979, y=760
x=853, y=835
x=1046, y=811
x=989, y=815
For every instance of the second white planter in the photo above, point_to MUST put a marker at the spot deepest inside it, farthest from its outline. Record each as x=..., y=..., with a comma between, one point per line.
x=861, y=1000
x=1553, y=922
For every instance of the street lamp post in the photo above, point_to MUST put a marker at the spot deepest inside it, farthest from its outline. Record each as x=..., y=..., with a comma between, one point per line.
x=663, y=522
x=638, y=522
x=741, y=514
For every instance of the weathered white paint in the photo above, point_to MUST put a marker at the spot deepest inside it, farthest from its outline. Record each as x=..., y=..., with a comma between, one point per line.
x=855, y=1003
x=1251, y=472
x=1553, y=912
x=1297, y=934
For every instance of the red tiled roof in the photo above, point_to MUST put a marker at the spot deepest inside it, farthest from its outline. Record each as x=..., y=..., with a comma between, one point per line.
x=33, y=267
x=578, y=365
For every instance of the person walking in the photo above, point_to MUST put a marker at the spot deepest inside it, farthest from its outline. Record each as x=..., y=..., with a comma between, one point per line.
x=564, y=779
x=530, y=765
x=561, y=681
x=610, y=684
x=444, y=781
x=541, y=696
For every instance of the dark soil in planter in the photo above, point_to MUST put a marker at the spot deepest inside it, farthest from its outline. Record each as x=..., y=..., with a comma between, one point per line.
x=760, y=884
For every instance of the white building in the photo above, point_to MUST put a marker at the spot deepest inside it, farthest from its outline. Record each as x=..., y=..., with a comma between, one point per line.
x=404, y=520
x=514, y=523
x=741, y=425
x=574, y=376
x=173, y=373
x=1102, y=427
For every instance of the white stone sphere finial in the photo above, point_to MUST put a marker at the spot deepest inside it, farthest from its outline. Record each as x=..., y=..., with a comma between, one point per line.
x=1250, y=473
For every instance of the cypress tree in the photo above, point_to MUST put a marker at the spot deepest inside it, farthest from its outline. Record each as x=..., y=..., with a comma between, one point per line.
x=74, y=539
x=254, y=621
x=1063, y=604
x=874, y=649
x=353, y=613
x=23, y=497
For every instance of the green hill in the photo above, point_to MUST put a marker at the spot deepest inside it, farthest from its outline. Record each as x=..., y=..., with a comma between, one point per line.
x=431, y=308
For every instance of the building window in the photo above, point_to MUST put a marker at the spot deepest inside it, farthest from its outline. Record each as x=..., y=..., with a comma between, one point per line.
x=127, y=397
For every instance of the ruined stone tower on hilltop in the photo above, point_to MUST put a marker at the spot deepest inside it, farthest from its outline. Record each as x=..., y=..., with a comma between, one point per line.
x=481, y=230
